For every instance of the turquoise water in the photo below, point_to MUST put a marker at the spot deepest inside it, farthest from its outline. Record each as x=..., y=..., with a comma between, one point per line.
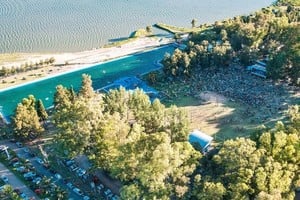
x=101, y=74
x=69, y=25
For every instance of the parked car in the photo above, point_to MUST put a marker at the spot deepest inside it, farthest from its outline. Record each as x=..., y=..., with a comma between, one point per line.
x=23, y=196
x=21, y=169
x=39, y=160
x=29, y=174
x=70, y=162
x=4, y=179
x=107, y=192
x=86, y=198
x=100, y=187
x=58, y=176
x=78, y=191
x=73, y=167
x=115, y=197
x=37, y=180
x=80, y=172
x=16, y=164
x=26, y=150
x=19, y=144
x=70, y=185
x=39, y=191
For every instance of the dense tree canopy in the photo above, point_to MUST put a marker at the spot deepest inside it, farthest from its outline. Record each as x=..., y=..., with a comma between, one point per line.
x=26, y=121
x=272, y=33
x=142, y=143
x=264, y=168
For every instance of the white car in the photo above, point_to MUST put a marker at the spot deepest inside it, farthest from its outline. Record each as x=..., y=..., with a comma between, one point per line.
x=107, y=192
x=115, y=197
x=37, y=180
x=58, y=176
x=78, y=191
x=80, y=172
x=23, y=196
x=29, y=174
x=86, y=198
x=70, y=185
x=4, y=179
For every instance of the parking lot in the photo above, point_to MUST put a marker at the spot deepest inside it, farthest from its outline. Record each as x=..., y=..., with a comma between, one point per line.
x=15, y=182
x=67, y=175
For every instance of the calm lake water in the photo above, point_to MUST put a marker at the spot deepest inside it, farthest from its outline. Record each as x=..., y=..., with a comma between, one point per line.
x=69, y=25
x=101, y=74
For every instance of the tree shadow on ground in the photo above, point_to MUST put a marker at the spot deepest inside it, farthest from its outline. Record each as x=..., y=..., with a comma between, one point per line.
x=225, y=118
x=118, y=39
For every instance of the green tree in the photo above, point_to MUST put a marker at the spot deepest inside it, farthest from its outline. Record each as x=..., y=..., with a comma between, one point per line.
x=149, y=30
x=276, y=66
x=76, y=123
x=7, y=193
x=62, y=97
x=86, y=90
x=212, y=191
x=194, y=22
x=41, y=111
x=26, y=120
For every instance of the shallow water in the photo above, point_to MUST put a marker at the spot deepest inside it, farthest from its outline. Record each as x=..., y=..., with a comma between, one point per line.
x=68, y=25
x=101, y=74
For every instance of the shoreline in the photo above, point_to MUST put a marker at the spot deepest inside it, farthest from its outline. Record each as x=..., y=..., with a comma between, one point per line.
x=81, y=60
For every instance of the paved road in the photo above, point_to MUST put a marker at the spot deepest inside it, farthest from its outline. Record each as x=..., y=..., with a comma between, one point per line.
x=40, y=169
x=15, y=182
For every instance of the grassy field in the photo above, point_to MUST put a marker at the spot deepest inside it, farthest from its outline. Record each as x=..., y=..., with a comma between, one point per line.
x=216, y=115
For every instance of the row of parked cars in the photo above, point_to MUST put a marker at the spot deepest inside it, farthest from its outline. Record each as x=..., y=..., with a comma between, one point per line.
x=72, y=166
x=79, y=172
x=29, y=173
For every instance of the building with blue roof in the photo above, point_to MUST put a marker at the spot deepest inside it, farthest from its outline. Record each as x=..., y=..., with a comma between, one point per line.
x=198, y=138
x=131, y=83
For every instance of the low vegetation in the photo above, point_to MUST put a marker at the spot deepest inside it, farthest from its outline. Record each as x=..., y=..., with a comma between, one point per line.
x=8, y=71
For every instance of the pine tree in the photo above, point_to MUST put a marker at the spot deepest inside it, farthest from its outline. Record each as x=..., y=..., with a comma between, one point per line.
x=26, y=120
x=41, y=111
x=86, y=90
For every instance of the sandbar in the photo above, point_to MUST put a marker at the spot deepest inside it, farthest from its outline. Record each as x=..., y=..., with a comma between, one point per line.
x=77, y=60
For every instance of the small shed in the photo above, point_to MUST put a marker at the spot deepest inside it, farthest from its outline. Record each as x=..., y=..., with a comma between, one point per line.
x=197, y=137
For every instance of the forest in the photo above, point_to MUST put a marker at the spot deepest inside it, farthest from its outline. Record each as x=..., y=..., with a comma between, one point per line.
x=144, y=145
x=271, y=34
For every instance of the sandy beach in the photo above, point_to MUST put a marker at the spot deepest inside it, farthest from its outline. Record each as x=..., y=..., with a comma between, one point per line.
x=76, y=60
